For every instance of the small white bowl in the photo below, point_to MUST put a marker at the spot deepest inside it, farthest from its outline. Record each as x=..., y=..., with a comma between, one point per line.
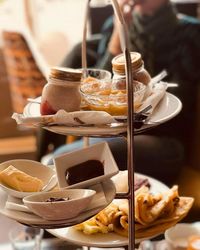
x=99, y=151
x=79, y=200
x=177, y=237
x=33, y=168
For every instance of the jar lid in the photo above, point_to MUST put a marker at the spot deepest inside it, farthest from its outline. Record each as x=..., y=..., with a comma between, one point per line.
x=118, y=62
x=67, y=74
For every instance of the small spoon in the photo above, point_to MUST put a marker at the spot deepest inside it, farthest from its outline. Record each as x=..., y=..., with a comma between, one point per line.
x=45, y=187
x=158, y=77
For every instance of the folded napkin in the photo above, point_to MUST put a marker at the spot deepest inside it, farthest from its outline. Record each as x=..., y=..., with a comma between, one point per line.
x=156, y=94
x=16, y=204
x=66, y=118
x=17, y=207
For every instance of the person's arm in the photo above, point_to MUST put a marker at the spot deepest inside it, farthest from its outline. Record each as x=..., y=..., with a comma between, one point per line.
x=104, y=57
x=113, y=45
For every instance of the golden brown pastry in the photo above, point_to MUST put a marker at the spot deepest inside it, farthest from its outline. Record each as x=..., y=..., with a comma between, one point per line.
x=154, y=213
x=19, y=180
x=101, y=223
x=161, y=225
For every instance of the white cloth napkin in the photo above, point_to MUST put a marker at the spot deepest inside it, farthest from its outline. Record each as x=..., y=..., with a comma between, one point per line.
x=67, y=118
x=155, y=96
x=16, y=204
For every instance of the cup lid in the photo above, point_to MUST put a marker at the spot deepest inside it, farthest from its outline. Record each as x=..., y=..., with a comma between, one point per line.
x=67, y=74
x=118, y=62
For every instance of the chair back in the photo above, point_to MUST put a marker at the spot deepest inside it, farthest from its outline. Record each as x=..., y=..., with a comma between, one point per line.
x=25, y=78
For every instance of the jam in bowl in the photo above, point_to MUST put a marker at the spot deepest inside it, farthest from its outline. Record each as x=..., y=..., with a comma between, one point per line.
x=113, y=101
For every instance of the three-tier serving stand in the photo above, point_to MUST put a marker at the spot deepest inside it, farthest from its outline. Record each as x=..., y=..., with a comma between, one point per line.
x=129, y=131
x=123, y=33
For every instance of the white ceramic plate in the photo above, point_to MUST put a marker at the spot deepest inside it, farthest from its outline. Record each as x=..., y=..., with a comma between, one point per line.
x=99, y=151
x=105, y=194
x=177, y=237
x=33, y=168
x=97, y=240
x=102, y=240
x=168, y=107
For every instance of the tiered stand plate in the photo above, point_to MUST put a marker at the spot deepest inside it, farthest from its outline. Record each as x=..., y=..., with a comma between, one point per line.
x=63, y=229
x=103, y=240
x=106, y=187
x=168, y=108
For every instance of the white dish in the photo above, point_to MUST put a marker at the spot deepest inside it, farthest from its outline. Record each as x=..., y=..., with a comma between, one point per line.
x=168, y=108
x=33, y=168
x=98, y=240
x=177, y=237
x=103, y=240
x=99, y=151
x=105, y=194
x=77, y=200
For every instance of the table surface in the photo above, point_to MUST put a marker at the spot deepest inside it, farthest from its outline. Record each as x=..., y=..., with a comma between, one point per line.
x=56, y=244
x=48, y=244
x=185, y=1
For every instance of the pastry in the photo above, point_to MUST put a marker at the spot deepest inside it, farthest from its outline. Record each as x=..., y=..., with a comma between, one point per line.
x=20, y=181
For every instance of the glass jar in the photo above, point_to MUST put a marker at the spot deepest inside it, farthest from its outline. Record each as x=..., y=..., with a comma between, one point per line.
x=140, y=74
x=61, y=91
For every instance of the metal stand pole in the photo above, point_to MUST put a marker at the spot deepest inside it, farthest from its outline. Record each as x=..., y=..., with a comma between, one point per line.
x=130, y=130
x=123, y=33
x=84, y=59
x=130, y=139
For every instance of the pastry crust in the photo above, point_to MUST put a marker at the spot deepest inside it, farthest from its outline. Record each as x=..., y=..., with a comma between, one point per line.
x=19, y=180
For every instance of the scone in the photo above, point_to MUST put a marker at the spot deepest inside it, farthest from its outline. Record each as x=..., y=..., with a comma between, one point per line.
x=19, y=180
